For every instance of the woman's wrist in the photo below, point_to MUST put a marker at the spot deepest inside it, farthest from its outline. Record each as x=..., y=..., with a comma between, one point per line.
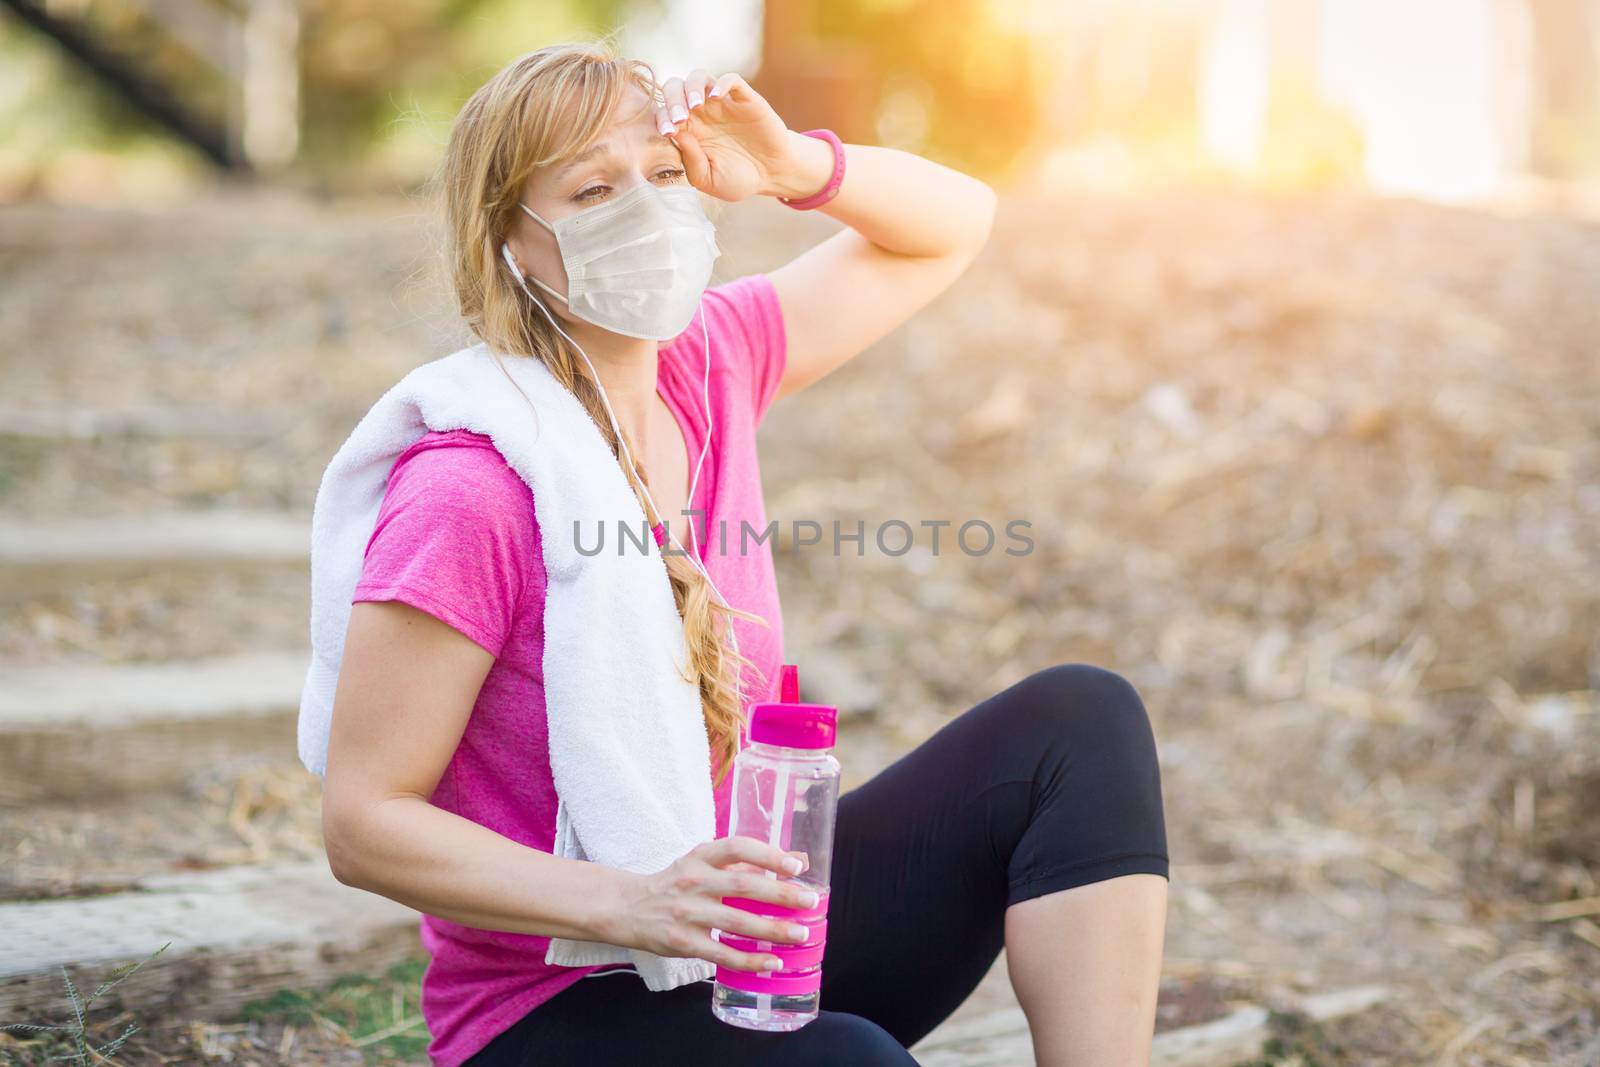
x=806, y=168
x=613, y=904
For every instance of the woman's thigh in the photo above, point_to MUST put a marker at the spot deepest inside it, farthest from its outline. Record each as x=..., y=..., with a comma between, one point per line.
x=615, y=1019
x=1049, y=784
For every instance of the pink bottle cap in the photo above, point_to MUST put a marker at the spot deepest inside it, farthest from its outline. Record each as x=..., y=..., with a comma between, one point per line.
x=791, y=724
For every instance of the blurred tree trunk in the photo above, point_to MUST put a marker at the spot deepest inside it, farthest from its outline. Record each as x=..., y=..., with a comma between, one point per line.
x=814, y=82
x=1566, y=45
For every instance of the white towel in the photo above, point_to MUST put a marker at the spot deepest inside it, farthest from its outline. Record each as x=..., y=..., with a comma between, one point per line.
x=629, y=750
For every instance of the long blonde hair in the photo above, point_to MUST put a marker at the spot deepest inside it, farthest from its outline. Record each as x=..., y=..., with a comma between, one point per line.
x=542, y=108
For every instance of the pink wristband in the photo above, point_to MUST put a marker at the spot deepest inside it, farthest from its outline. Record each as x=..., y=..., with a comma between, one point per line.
x=830, y=190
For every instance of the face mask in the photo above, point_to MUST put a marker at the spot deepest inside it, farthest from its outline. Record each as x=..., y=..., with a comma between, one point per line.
x=637, y=263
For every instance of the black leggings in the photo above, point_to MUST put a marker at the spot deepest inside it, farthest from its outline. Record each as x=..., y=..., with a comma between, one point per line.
x=1050, y=784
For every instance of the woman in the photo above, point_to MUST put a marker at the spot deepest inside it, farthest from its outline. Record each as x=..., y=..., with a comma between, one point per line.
x=1032, y=820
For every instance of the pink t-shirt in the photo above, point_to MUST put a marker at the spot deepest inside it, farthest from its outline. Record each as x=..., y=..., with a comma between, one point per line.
x=457, y=537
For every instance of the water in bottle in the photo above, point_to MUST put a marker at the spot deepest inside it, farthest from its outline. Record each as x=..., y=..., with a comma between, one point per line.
x=786, y=793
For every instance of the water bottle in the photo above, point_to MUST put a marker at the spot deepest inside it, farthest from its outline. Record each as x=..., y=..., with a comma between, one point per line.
x=786, y=793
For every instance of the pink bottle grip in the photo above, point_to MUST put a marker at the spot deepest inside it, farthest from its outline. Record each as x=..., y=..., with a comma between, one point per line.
x=778, y=983
x=766, y=907
x=794, y=957
x=818, y=928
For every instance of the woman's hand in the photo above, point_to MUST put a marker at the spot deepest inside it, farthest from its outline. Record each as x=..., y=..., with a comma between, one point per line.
x=672, y=912
x=733, y=143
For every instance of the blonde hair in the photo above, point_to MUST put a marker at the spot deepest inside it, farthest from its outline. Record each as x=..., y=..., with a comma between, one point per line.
x=543, y=108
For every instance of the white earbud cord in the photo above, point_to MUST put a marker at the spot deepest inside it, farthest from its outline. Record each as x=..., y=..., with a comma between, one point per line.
x=622, y=441
x=705, y=406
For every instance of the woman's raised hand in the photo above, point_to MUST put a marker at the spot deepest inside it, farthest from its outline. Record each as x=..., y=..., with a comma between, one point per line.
x=673, y=911
x=732, y=142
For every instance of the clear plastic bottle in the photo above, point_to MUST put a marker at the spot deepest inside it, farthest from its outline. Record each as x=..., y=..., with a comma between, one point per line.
x=786, y=793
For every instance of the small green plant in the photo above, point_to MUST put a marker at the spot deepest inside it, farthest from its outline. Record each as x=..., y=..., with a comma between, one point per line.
x=1296, y=1040
x=84, y=1051
x=381, y=1016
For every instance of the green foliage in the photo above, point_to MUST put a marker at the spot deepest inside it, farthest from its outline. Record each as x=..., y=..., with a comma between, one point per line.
x=52, y=106
x=82, y=1050
x=969, y=75
x=1296, y=1040
x=374, y=73
x=382, y=1016
x=1565, y=143
x=1310, y=144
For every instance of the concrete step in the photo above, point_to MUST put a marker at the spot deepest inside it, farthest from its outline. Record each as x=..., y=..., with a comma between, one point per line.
x=39, y=555
x=151, y=420
x=237, y=934
x=69, y=731
x=266, y=812
x=1002, y=1039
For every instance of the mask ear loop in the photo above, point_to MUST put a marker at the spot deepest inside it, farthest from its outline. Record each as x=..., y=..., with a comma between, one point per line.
x=505, y=252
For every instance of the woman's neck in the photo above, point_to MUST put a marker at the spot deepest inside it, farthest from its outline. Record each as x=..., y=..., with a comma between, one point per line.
x=627, y=370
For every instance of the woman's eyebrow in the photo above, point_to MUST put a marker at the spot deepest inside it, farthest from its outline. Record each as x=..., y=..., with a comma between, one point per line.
x=606, y=147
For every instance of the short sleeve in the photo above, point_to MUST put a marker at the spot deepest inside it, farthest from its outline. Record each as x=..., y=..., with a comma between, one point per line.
x=456, y=538
x=750, y=306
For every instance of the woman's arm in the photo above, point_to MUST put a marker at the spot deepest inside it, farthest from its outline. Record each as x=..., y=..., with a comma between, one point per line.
x=913, y=226
x=407, y=684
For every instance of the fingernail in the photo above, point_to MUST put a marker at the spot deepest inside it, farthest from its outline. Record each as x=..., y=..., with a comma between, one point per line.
x=716, y=92
x=791, y=865
x=798, y=931
x=667, y=128
x=811, y=898
x=771, y=964
x=678, y=113
x=695, y=100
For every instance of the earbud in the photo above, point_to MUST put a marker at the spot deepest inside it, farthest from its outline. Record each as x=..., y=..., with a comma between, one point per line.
x=511, y=261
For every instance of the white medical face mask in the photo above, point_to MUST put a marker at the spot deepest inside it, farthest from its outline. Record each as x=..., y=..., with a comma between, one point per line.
x=637, y=263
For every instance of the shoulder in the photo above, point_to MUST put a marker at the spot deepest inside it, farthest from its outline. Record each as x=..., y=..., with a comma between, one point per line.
x=455, y=536
x=457, y=464
x=752, y=298
x=458, y=479
x=749, y=307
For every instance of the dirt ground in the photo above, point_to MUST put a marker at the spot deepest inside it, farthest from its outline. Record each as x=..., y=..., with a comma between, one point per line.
x=1321, y=476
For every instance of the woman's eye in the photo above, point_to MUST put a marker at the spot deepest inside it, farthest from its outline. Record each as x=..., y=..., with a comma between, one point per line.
x=591, y=192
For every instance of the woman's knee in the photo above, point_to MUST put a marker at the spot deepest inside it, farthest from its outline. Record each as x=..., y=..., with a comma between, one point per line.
x=1078, y=682
x=1092, y=750
x=841, y=1037
x=1080, y=708
x=1081, y=690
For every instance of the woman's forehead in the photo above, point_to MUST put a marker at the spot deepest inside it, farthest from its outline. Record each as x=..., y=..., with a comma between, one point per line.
x=633, y=118
x=632, y=127
x=625, y=134
x=635, y=113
